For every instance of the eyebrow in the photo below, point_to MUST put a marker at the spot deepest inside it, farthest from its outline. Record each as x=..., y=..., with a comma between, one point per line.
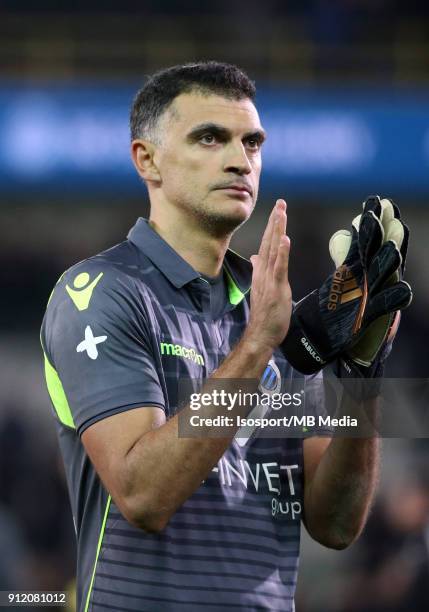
x=222, y=133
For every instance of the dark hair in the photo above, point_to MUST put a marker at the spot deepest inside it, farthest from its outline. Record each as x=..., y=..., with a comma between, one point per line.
x=159, y=91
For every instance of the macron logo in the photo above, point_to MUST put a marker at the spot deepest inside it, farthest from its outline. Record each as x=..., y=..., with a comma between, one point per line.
x=177, y=350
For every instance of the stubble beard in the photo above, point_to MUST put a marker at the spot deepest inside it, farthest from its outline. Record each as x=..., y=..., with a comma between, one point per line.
x=216, y=223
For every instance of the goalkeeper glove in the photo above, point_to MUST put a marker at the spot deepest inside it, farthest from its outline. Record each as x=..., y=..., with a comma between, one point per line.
x=335, y=317
x=364, y=352
x=366, y=359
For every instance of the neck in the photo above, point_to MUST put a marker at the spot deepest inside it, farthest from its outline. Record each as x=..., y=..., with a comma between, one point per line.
x=204, y=252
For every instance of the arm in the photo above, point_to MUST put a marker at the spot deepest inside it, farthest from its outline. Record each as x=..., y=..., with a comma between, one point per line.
x=146, y=467
x=340, y=478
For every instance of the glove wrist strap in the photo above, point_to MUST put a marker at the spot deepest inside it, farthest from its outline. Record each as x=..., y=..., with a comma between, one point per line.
x=300, y=342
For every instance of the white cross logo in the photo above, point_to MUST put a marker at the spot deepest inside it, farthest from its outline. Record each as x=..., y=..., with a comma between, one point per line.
x=90, y=343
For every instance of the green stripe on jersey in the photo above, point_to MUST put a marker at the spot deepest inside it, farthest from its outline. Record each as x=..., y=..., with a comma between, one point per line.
x=58, y=397
x=100, y=541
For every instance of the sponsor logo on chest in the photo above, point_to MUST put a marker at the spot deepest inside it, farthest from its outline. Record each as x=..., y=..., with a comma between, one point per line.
x=177, y=350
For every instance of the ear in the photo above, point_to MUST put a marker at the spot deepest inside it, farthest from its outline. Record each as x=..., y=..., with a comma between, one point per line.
x=142, y=153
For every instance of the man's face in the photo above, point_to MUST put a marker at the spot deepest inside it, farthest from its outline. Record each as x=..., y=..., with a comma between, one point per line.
x=209, y=159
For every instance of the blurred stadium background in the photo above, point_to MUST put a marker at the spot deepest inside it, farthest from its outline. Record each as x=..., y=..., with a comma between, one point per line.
x=344, y=94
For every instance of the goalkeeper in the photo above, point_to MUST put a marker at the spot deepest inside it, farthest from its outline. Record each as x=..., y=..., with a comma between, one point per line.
x=165, y=523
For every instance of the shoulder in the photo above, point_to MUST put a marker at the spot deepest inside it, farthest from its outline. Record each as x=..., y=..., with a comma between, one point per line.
x=120, y=261
x=114, y=273
x=106, y=288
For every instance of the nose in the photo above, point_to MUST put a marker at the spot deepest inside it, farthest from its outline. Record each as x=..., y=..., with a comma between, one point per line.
x=236, y=160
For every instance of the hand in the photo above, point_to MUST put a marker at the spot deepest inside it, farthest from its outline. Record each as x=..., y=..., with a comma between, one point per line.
x=332, y=319
x=380, y=331
x=361, y=367
x=271, y=296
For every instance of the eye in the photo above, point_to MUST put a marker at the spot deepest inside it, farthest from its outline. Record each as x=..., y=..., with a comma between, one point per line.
x=208, y=139
x=253, y=143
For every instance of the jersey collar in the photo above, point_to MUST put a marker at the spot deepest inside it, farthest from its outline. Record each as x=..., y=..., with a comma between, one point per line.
x=178, y=271
x=239, y=275
x=161, y=254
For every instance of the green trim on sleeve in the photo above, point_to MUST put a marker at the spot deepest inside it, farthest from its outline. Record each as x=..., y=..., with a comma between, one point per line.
x=52, y=292
x=58, y=397
x=100, y=541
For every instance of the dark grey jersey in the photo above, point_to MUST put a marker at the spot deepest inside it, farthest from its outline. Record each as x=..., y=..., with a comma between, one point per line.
x=121, y=330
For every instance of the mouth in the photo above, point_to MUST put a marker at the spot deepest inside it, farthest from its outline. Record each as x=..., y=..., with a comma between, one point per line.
x=242, y=190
